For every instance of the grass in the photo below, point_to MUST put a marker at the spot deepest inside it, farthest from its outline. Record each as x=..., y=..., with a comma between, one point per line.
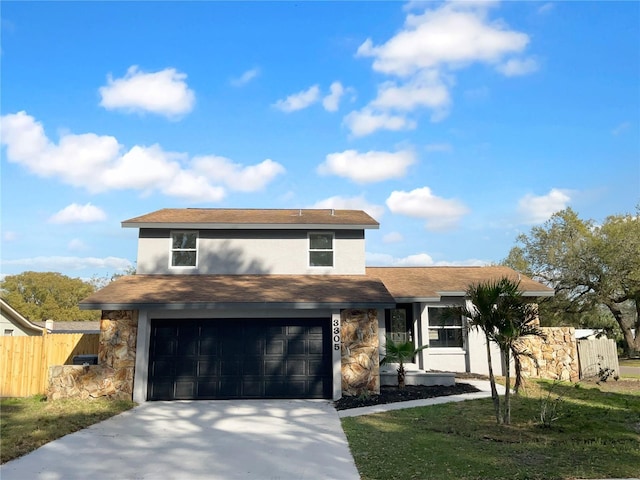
x=629, y=362
x=596, y=436
x=28, y=423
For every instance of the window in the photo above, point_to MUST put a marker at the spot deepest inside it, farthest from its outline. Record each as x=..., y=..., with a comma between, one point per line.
x=321, y=249
x=399, y=323
x=444, y=330
x=8, y=332
x=184, y=251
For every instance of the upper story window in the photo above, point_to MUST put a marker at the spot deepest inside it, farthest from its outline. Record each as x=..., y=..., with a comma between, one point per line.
x=184, y=249
x=444, y=330
x=321, y=249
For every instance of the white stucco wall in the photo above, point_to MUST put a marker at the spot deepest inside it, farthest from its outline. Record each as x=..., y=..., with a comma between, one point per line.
x=18, y=330
x=472, y=357
x=252, y=252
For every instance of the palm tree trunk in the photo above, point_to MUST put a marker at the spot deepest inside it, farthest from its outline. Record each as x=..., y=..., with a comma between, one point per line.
x=492, y=381
x=401, y=376
x=507, y=394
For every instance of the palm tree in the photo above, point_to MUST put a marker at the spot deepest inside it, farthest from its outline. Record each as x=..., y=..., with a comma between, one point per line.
x=400, y=353
x=498, y=309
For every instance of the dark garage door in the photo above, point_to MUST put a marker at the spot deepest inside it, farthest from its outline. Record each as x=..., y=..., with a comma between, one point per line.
x=216, y=359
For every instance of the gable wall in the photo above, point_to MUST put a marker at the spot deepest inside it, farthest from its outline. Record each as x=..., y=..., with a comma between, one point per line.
x=251, y=252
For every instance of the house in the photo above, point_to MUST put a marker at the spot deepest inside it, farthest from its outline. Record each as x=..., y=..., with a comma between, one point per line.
x=13, y=324
x=258, y=303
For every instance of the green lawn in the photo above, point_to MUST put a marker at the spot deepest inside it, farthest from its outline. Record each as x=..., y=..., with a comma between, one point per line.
x=629, y=362
x=28, y=423
x=597, y=436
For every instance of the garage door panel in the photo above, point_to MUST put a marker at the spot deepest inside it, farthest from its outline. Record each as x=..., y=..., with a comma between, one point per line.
x=275, y=347
x=296, y=346
x=252, y=366
x=274, y=367
x=296, y=367
x=185, y=390
x=237, y=358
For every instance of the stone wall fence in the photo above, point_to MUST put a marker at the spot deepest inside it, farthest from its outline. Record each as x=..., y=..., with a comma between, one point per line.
x=113, y=376
x=554, y=357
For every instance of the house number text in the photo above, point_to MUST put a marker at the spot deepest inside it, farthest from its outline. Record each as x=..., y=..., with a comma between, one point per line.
x=335, y=332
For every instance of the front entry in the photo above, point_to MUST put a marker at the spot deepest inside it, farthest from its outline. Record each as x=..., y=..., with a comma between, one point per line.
x=232, y=358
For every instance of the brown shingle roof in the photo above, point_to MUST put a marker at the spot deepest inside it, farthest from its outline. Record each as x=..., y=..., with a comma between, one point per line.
x=226, y=218
x=434, y=282
x=202, y=291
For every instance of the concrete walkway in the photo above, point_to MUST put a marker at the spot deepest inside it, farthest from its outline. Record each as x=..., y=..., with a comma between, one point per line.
x=193, y=440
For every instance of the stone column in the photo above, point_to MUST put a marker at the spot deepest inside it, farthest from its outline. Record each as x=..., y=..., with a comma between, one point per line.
x=360, y=353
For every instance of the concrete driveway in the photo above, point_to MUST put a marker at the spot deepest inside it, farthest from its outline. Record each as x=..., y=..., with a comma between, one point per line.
x=190, y=440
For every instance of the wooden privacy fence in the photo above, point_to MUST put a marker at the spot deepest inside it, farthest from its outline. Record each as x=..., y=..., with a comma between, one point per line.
x=25, y=361
x=596, y=355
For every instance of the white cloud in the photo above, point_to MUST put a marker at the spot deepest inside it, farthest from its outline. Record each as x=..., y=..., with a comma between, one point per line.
x=76, y=245
x=236, y=176
x=384, y=259
x=331, y=102
x=423, y=56
x=351, y=203
x=98, y=164
x=372, y=166
x=9, y=236
x=453, y=35
x=163, y=93
x=538, y=209
x=623, y=127
x=416, y=260
x=439, y=147
x=518, y=66
x=440, y=213
x=546, y=8
x=75, y=213
x=300, y=100
x=245, y=78
x=425, y=89
x=71, y=263
x=393, y=237
x=366, y=121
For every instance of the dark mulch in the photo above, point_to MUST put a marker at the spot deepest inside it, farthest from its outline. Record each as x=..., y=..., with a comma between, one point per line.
x=410, y=392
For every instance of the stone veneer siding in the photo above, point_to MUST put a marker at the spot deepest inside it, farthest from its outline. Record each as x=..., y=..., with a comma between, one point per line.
x=556, y=357
x=360, y=353
x=113, y=376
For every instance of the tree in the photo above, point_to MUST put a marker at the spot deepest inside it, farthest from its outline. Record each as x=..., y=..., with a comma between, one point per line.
x=40, y=296
x=400, y=353
x=499, y=310
x=590, y=266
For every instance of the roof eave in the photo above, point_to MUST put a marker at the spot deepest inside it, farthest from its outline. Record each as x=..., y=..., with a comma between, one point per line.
x=250, y=226
x=234, y=305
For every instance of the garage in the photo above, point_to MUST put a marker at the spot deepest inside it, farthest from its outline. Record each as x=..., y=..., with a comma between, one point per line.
x=239, y=358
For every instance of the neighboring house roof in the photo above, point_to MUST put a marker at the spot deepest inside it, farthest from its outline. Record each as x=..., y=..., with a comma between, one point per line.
x=219, y=218
x=431, y=283
x=220, y=291
x=16, y=318
x=73, y=327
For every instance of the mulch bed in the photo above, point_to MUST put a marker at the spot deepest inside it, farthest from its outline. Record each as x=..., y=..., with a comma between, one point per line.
x=392, y=394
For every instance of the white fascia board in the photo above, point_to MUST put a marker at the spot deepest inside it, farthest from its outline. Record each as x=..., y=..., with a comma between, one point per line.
x=248, y=226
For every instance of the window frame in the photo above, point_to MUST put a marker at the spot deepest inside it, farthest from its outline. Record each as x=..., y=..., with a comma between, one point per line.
x=172, y=233
x=435, y=327
x=310, y=250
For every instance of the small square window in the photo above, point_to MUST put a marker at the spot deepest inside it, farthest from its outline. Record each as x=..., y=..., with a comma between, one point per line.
x=184, y=249
x=321, y=249
x=8, y=332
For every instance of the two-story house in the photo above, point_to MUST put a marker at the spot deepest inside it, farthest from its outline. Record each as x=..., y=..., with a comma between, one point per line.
x=258, y=303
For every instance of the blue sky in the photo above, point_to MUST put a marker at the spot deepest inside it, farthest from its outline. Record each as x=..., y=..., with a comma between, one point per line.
x=456, y=125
